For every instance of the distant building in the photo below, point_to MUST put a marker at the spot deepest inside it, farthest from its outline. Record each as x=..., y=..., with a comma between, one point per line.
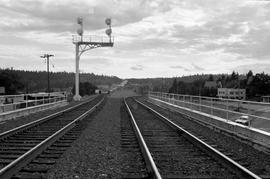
x=103, y=88
x=210, y=84
x=97, y=91
x=231, y=93
x=2, y=90
x=266, y=99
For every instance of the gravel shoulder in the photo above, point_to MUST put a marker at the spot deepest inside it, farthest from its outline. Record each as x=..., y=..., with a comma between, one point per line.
x=13, y=123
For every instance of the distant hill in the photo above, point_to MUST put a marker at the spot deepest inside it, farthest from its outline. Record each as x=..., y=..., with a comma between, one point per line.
x=35, y=81
x=164, y=84
x=167, y=82
x=256, y=85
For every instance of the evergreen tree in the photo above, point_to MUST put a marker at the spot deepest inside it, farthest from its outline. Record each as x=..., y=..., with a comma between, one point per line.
x=173, y=88
x=11, y=81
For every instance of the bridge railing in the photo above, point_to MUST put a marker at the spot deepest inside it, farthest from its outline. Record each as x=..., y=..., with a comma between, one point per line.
x=10, y=103
x=229, y=109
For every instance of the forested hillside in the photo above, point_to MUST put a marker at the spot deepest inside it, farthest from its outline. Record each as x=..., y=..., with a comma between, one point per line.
x=20, y=81
x=256, y=85
x=164, y=84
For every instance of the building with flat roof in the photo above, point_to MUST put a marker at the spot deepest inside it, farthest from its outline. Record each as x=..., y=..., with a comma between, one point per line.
x=231, y=93
x=266, y=99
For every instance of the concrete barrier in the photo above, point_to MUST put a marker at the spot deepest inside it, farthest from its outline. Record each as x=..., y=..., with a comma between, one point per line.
x=253, y=136
x=26, y=111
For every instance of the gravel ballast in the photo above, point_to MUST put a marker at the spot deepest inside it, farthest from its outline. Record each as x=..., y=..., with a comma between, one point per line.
x=97, y=152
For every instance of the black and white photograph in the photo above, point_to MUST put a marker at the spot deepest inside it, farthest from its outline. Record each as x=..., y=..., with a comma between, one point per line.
x=134, y=89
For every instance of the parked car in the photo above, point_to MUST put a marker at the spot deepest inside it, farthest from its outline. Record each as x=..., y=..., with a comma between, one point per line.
x=244, y=120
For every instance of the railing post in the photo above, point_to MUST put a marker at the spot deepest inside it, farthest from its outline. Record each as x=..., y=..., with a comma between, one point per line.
x=184, y=100
x=200, y=101
x=211, y=106
x=227, y=108
x=248, y=103
x=26, y=104
x=191, y=102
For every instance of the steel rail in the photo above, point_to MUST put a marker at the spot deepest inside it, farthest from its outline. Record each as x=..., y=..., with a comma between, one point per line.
x=233, y=166
x=20, y=162
x=150, y=164
x=39, y=121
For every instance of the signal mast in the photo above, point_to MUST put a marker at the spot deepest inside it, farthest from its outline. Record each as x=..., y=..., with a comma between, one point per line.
x=85, y=43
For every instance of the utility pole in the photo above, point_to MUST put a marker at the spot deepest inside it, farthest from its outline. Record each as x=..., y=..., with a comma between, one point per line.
x=47, y=56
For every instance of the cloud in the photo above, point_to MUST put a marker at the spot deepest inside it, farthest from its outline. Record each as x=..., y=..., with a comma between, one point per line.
x=137, y=68
x=180, y=67
x=255, y=67
x=59, y=16
x=209, y=36
x=98, y=60
x=197, y=68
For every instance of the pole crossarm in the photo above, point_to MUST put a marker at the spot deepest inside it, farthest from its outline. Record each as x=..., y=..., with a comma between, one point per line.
x=86, y=47
x=90, y=42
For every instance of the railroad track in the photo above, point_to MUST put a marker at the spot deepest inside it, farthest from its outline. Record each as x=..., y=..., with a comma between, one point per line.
x=134, y=166
x=30, y=150
x=172, y=152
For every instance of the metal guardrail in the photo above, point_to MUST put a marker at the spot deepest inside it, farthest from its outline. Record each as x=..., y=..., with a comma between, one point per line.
x=15, y=102
x=229, y=109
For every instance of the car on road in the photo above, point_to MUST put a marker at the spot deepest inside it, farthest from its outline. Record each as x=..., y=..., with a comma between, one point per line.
x=244, y=120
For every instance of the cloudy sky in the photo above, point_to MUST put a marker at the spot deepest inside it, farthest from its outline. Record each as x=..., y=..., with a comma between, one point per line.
x=153, y=38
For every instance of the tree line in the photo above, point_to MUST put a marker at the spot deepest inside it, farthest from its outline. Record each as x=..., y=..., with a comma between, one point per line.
x=256, y=85
x=20, y=81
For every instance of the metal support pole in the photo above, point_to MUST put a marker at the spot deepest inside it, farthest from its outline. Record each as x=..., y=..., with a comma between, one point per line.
x=77, y=96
